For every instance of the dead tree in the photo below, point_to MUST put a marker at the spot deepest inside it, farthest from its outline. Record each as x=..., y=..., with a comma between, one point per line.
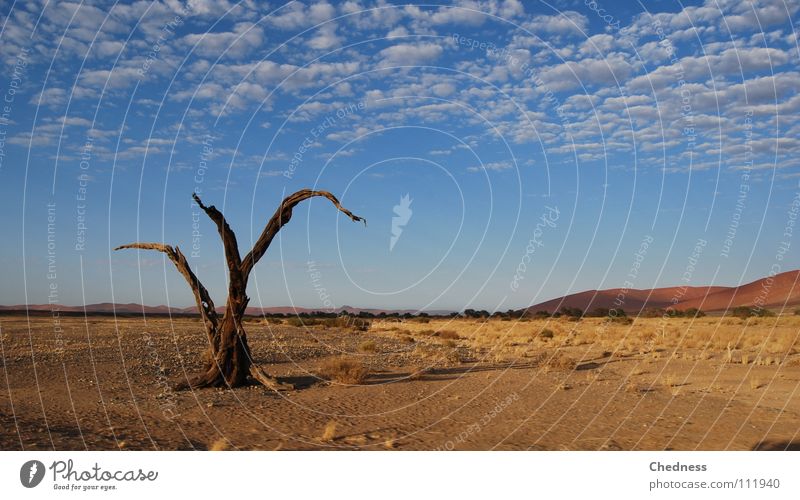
x=229, y=362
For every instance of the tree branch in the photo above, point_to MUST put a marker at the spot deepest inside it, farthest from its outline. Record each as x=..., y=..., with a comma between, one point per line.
x=201, y=296
x=280, y=218
x=225, y=232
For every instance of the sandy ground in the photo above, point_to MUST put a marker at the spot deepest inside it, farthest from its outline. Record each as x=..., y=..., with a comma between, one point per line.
x=101, y=383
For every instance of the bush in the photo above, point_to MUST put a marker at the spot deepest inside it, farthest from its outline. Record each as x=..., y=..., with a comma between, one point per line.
x=693, y=312
x=344, y=371
x=546, y=334
x=620, y=320
x=572, y=312
x=560, y=361
x=745, y=312
x=599, y=312
x=343, y=321
x=653, y=312
x=448, y=334
x=301, y=322
x=368, y=346
x=358, y=324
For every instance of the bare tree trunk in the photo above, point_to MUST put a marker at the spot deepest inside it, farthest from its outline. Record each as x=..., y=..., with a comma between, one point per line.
x=229, y=358
x=229, y=361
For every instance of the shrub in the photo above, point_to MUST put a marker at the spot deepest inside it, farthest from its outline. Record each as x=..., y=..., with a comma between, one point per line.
x=343, y=321
x=546, y=334
x=301, y=322
x=572, y=312
x=448, y=334
x=368, y=346
x=602, y=312
x=693, y=312
x=599, y=312
x=344, y=371
x=359, y=324
x=745, y=312
x=620, y=320
x=561, y=361
x=653, y=312
x=346, y=321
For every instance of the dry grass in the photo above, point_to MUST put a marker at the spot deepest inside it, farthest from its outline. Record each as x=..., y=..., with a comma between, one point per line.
x=449, y=334
x=367, y=346
x=329, y=433
x=546, y=334
x=220, y=444
x=560, y=361
x=344, y=371
x=721, y=338
x=632, y=387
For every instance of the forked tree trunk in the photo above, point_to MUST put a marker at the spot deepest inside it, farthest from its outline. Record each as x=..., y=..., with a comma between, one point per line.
x=229, y=362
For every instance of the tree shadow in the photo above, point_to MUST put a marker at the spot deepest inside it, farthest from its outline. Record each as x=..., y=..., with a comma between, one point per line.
x=777, y=446
x=439, y=374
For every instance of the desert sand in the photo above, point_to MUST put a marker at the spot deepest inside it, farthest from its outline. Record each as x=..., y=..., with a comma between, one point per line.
x=104, y=383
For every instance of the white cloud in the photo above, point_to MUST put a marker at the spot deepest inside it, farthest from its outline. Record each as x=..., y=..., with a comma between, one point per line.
x=297, y=15
x=566, y=23
x=464, y=12
x=495, y=166
x=443, y=89
x=325, y=38
x=610, y=70
x=50, y=97
x=406, y=54
x=240, y=42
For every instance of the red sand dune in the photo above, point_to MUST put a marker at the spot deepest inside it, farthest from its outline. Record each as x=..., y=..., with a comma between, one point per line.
x=781, y=290
x=772, y=292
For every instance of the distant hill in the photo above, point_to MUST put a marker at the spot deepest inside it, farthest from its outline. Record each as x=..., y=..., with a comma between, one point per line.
x=775, y=292
x=782, y=290
x=137, y=309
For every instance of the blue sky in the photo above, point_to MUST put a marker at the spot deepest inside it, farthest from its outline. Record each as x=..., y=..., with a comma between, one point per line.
x=656, y=121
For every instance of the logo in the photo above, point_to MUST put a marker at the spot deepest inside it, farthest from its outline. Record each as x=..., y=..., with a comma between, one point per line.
x=403, y=212
x=31, y=473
